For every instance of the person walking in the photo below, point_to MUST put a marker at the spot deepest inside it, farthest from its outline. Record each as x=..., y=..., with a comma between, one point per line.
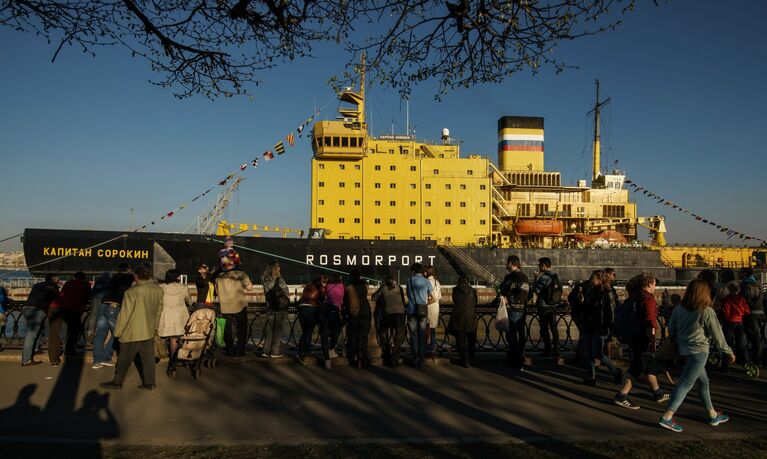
x=547, y=288
x=277, y=302
x=597, y=326
x=68, y=308
x=360, y=317
x=734, y=310
x=463, y=320
x=175, y=312
x=135, y=329
x=753, y=323
x=694, y=327
x=231, y=284
x=515, y=287
x=308, y=305
x=39, y=301
x=108, y=312
x=391, y=298
x=330, y=318
x=430, y=272
x=641, y=291
x=419, y=294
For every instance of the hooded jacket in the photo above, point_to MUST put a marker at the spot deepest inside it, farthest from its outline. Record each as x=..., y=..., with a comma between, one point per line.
x=464, y=316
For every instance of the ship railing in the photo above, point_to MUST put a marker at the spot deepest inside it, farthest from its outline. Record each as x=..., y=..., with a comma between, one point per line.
x=489, y=339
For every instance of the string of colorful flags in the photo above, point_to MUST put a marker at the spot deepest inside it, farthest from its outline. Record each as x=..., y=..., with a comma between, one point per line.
x=268, y=155
x=722, y=228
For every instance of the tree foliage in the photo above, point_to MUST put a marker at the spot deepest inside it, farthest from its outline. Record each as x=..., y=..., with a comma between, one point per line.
x=221, y=47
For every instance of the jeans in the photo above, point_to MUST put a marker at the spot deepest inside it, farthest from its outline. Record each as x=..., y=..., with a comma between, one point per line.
x=516, y=340
x=392, y=335
x=34, y=318
x=307, y=317
x=274, y=329
x=548, y=321
x=106, y=320
x=432, y=340
x=736, y=338
x=240, y=322
x=358, y=332
x=593, y=348
x=694, y=370
x=466, y=343
x=74, y=328
x=418, y=326
x=330, y=328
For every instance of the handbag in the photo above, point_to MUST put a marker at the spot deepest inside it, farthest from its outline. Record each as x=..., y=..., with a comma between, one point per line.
x=420, y=310
x=276, y=297
x=502, y=317
x=220, y=327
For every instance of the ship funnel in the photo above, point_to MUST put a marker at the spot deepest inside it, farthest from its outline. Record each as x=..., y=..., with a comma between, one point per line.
x=520, y=143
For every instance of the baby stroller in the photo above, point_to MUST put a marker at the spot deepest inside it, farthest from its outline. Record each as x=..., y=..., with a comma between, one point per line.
x=196, y=344
x=716, y=361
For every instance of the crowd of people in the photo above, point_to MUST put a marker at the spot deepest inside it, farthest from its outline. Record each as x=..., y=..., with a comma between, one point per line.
x=133, y=311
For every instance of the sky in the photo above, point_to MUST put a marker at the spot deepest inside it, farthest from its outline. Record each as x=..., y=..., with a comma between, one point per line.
x=84, y=140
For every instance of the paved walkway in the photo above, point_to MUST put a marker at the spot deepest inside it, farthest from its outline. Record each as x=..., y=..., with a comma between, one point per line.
x=259, y=403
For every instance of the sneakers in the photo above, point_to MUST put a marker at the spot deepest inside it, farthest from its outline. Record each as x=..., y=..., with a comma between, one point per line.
x=301, y=359
x=56, y=363
x=626, y=403
x=107, y=364
x=31, y=363
x=333, y=354
x=670, y=424
x=96, y=366
x=719, y=419
x=661, y=397
x=275, y=356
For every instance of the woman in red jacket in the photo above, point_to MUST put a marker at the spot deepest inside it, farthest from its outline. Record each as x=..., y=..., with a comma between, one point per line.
x=734, y=308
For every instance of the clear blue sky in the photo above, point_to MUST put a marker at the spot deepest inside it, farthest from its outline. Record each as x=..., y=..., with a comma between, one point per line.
x=84, y=140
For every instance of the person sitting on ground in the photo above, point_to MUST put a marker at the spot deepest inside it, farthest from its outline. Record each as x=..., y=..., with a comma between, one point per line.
x=330, y=318
x=67, y=308
x=692, y=326
x=391, y=297
x=463, y=320
x=38, y=302
x=311, y=298
x=175, y=314
x=135, y=329
x=360, y=317
x=734, y=309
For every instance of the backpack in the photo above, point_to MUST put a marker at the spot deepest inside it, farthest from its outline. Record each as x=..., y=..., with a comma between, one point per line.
x=627, y=320
x=276, y=297
x=553, y=296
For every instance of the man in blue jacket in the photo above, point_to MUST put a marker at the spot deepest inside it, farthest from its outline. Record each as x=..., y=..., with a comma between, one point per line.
x=419, y=294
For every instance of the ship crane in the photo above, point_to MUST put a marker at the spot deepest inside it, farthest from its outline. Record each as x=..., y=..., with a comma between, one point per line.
x=656, y=224
x=207, y=221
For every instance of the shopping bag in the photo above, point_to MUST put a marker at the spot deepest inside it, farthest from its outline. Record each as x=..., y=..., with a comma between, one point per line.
x=502, y=316
x=220, y=326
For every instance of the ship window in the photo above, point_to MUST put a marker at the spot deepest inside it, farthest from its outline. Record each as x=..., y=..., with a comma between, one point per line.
x=321, y=166
x=436, y=171
x=356, y=220
x=427, y=221
x=392, y=220
x=392, y=185
x=356, y=167
x=377, y=238
x=321, y=184
x=378, y=167
x=318, y=141
x=356, y=237
x=356, y=202
x=392, y=168
x=412, y=238
x=336, y=141
x=378, y=185
x=327, y=141
x=321, y=202
x=463, y=204
x=482, y=204
x=427, y=204
x=391, y=238
x=391, y=151
x=357, y=184
x=342, y=166
x=341, y=220
x=377, y=220
x=412, y=186
x=469, y=172
x=463, y=186
x=463, y=222
x=341, y=202
x=441, y=155
x=412, y=168
x=448, y=204
x=404, y=151
x=447, y=221
x=427, y=238
x=448, y=186
x=321, y=220
x=482, y=222
x=359, y=142
x=341, y=237
x=412, y=203
x=341, y=184
x=353, y=142
x=392, y=203
x=378, y=203
x=344, y=141
x=482, y=187
x=412, y=221
x=524, y=210
x=428, y=186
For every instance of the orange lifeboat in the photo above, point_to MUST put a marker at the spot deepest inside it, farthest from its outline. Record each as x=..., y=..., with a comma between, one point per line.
x=539, y=227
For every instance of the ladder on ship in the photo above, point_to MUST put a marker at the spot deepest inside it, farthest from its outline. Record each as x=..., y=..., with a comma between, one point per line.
x=469, y=263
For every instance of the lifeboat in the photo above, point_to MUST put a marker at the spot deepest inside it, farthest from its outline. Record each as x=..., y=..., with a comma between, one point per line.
x=539, y=227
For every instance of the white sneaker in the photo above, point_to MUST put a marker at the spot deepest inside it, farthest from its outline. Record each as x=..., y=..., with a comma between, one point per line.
x=275, y=356
x=332, y=354
x=96, y=366
x=107, y=364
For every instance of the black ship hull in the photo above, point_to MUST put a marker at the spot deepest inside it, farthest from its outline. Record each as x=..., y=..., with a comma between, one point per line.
x=68, y=251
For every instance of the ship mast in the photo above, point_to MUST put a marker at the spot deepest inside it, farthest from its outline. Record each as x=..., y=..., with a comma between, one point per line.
x=597, y=139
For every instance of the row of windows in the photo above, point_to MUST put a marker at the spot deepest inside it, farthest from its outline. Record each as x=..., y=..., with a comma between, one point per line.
x=393, y=221
x=391, y=168
x=413, y=186
x=334, y=141
x=341, y=166
x=342, y=202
